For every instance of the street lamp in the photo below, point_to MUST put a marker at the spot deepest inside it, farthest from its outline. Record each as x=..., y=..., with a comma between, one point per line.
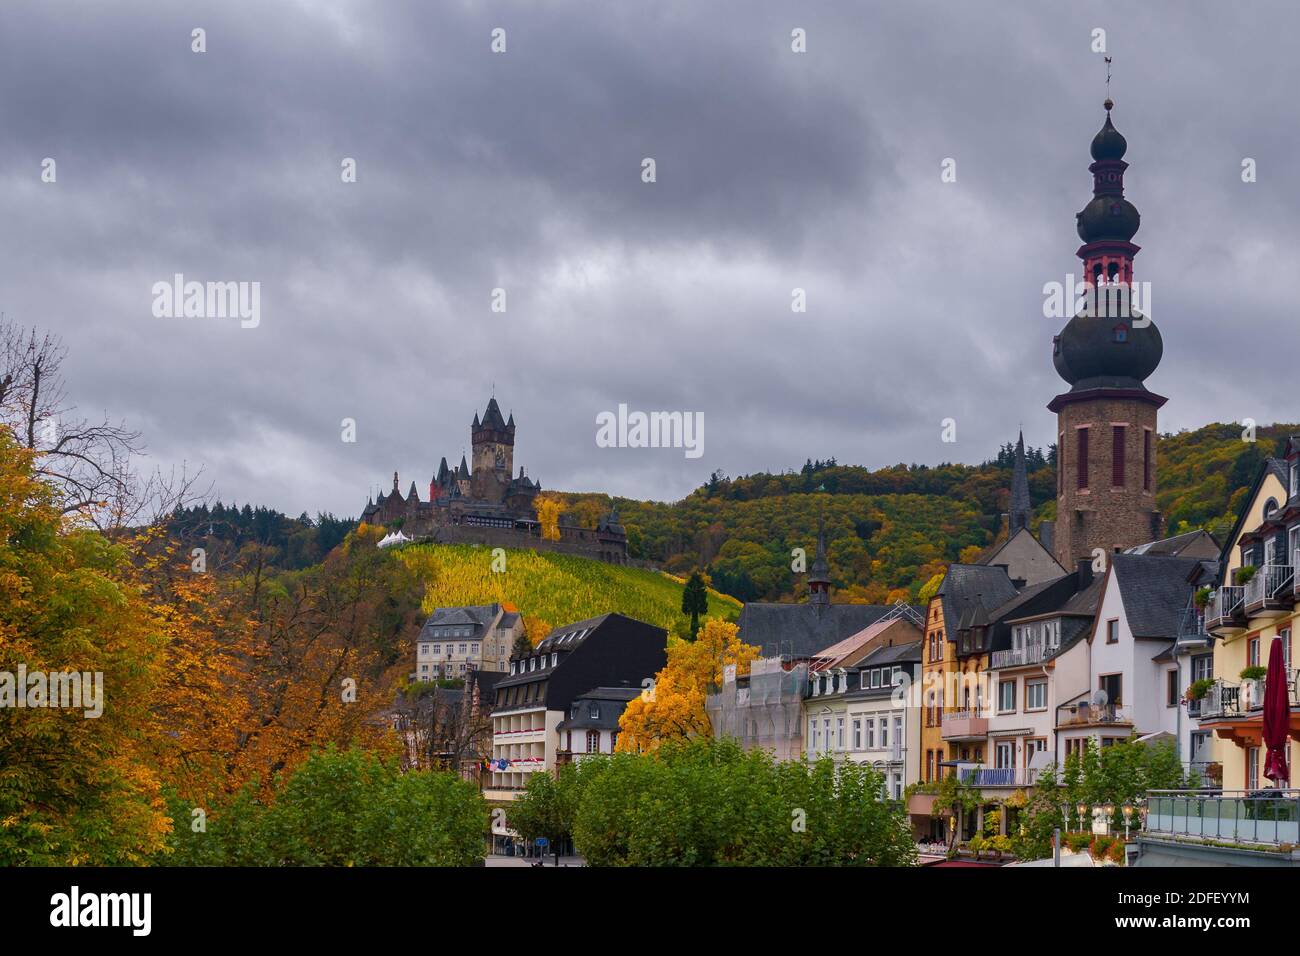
x=1081, y=808
x=1108, y=814
x=1128, y=816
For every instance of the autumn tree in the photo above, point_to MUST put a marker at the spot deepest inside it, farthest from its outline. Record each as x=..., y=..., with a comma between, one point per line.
x=673, y=708
x=78, y=784
x=548, y=516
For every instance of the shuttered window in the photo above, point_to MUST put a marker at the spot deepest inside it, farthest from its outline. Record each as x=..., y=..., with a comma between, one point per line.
x=1081, y=458
x=1146, y=459
x=1118, y=433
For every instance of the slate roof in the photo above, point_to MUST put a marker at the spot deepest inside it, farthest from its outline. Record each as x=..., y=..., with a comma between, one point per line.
x=614, y=701
x=570, y=635
x=478, y=615
x=801, y=630
x=1155, y=590
x=837, y=652
x=892, y=654
x=969, y=590
x=1173, y=546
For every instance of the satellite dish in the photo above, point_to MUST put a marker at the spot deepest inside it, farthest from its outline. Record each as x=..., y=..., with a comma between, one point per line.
x=1100, y=699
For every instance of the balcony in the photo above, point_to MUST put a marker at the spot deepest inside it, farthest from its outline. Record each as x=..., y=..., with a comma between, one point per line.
x=993, y=777
x=1085, y=714
x=964, y=725
x=1192, y=635
x=1019, y=656
x=1221, y=700
x=1269, y=817
x=1225, y=612
x=1270, y=592
x=1225, y=700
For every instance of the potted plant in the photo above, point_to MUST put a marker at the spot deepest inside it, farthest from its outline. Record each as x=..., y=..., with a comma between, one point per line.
x=1197, y=689
x=1252, y=683
x=1202, y=597
x=1243, y=575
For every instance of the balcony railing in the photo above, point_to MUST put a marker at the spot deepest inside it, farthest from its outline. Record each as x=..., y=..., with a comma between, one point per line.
x=1191, y=628
x=1225, y=608
x=1270, y=590
x=1087, y=715
x=1235, y=700
x=1032, y=653
x=1221, y=700
x=998, y=776
x=1238, y=816
x=1209, y=773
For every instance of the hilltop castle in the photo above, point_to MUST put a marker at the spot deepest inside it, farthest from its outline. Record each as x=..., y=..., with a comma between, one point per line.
x=488, y=504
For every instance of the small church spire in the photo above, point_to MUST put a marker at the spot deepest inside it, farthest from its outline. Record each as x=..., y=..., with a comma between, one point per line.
x=1021, y=506
x=819, y=575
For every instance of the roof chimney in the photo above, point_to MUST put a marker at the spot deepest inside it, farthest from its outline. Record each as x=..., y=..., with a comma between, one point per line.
x=1084, y=573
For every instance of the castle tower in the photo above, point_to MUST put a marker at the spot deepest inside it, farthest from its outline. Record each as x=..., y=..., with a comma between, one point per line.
x=493, y=442
x=1106, y=422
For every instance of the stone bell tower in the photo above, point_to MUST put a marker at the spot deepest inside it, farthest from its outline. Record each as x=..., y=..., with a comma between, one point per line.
x=1106, y=422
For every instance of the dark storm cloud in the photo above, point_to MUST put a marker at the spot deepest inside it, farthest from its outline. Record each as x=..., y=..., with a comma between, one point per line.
x=775, y=171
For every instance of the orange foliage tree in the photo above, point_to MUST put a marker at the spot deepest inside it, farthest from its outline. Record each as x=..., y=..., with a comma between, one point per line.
x=548, y=516
x=673, y=709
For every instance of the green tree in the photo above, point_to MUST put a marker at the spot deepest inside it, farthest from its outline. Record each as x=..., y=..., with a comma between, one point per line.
x=695, y=600
x=338, y=808
x=547, y=807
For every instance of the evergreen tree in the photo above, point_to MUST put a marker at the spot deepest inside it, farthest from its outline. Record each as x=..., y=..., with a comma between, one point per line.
x=695, y=600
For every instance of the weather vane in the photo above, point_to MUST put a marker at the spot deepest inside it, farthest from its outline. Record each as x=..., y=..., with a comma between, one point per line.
x=1109, y=101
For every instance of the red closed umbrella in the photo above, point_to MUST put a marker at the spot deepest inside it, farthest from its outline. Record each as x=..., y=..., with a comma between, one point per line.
x=1277, y=717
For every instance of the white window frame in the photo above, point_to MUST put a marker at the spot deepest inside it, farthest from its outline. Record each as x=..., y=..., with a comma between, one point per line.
x=1030, y=687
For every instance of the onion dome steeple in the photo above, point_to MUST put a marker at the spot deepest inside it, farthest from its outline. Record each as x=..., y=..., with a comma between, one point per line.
x=1109, y=143
x=1110, y=344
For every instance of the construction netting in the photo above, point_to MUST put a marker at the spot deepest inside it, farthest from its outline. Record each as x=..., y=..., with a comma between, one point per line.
x=761, y=710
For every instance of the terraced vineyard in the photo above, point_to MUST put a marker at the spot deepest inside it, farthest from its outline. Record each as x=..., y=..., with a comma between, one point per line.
x=555, y=588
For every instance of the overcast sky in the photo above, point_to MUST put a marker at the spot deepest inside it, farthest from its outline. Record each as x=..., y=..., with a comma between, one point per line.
x=522, y=170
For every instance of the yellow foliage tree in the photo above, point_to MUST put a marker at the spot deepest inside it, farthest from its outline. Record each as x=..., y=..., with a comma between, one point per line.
x=673, y=709
x=548, y=516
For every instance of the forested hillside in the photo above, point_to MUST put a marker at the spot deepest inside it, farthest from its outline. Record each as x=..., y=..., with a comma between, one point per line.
x=891, y=529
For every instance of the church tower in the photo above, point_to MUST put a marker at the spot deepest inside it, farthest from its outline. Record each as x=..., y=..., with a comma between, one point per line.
x=1106, y=422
